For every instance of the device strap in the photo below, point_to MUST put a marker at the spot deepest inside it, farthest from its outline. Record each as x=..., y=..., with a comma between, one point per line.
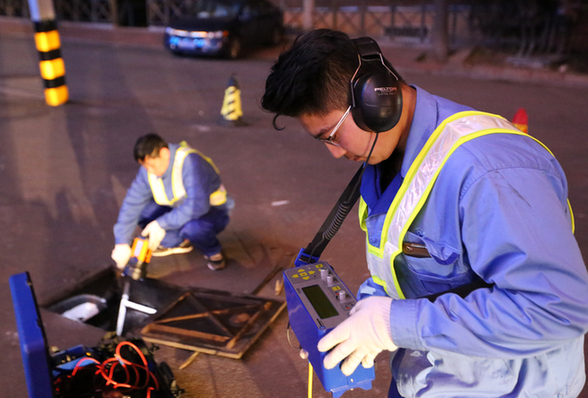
x=333, y=222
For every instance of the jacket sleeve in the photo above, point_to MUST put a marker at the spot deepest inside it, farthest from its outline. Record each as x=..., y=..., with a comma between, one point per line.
x=200, y=180
x=138, y=196
x=370, y=288
x=516, y=230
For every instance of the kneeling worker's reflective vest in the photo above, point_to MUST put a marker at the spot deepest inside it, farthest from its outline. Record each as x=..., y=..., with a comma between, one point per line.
x=417, y=185
x=217, y=198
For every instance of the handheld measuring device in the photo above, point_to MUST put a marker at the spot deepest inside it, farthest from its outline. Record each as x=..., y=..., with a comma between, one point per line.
x=318, y=301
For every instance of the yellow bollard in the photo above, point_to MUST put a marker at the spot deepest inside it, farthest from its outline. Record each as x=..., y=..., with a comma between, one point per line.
x=51, y=64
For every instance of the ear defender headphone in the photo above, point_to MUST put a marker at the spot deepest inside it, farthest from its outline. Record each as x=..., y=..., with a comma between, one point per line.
x=376, y=97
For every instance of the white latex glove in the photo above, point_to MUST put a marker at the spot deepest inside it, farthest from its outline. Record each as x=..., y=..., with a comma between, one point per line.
x=360, y=337
x=155, y=233
x=121, y=254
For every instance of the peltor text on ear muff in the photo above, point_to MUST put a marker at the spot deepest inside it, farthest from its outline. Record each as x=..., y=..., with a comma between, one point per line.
x=376, y=97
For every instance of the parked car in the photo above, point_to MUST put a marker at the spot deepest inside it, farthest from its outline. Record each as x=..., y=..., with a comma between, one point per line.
x=225, y=27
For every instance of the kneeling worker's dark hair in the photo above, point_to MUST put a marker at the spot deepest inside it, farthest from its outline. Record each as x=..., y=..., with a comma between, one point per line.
x=148, y=145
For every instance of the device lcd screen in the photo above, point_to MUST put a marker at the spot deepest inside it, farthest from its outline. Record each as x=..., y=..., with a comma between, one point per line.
x=320, y=301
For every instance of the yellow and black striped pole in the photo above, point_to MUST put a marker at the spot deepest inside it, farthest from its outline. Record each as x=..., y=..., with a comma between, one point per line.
x=231, y=111
x=49, y=47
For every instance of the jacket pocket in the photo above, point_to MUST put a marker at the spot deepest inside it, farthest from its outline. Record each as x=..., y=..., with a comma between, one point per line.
x=441, y=272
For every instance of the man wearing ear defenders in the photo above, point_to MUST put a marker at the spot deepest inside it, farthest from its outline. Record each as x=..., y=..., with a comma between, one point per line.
x=477, y=285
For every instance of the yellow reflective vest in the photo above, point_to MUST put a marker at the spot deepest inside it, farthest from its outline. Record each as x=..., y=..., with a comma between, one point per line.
x=217, y=198
x=418, y=183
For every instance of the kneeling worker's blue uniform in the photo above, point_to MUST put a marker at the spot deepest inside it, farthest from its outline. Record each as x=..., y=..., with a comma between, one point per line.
x=188, y=201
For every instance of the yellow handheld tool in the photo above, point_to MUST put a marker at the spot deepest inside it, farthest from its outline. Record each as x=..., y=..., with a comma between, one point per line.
x=136, y=269
x=137, y=266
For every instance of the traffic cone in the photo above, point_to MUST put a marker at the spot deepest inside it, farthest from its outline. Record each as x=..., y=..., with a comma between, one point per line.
x=231, y=112
x=521, y=120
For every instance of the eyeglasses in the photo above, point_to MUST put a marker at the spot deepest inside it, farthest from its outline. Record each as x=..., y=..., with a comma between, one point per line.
x=331, y=138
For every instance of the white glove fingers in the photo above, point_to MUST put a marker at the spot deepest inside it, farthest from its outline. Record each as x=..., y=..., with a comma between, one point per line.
x=356, y=307
x=334, y=337
x=153, y=244
x=352, y=362
x=368, y=360
x=155, y=233
x=361, y=336
x=121, y=254
x=339, y=353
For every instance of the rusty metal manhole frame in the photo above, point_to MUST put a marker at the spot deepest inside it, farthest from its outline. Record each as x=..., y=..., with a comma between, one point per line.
x=227, y=339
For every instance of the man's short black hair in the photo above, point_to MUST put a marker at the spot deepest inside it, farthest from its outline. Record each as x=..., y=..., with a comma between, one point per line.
x=148, y=145
x=312, y=77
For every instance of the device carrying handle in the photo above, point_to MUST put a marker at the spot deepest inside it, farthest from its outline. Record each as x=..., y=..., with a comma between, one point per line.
x=333, y=221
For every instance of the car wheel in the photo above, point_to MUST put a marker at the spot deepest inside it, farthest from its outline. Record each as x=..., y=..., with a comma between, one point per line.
x=234, y=49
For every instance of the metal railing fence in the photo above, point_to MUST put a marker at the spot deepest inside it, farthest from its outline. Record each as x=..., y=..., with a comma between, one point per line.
x=14, y=8
x=66, y=10
x=499, y=23
x=396, y=21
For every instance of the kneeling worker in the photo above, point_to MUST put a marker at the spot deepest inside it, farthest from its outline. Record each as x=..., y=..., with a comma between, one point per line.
x=177, y=198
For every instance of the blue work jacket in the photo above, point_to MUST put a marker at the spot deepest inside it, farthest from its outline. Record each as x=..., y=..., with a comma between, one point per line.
x=498, y=213
x=199, y=179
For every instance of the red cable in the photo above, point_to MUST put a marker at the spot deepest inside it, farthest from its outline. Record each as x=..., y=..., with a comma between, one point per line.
x=83, y=360
x=150, y=374
x=106, y=370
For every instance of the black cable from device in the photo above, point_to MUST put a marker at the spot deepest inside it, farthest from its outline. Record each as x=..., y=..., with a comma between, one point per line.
x=344, y=208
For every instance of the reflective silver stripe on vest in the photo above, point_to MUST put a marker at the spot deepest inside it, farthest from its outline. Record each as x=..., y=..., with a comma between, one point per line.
x=419, y=187
x=177, y=181
x=179, y=192
x=216, y=198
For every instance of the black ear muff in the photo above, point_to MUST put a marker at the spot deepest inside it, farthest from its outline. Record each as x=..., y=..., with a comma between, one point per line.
x=376, y=97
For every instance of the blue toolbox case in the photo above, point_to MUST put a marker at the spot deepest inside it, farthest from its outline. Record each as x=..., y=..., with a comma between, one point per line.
x=40, y=367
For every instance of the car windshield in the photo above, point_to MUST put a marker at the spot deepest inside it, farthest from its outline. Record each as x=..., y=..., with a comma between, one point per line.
x=215, y=9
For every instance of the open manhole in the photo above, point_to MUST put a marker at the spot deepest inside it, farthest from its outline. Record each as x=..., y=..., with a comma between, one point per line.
x=209, y=321
x=96, y=300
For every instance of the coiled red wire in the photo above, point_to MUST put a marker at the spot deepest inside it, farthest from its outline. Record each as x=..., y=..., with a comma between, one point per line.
x=106, y=370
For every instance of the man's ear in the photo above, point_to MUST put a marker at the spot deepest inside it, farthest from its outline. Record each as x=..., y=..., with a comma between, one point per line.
x=164, y=153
